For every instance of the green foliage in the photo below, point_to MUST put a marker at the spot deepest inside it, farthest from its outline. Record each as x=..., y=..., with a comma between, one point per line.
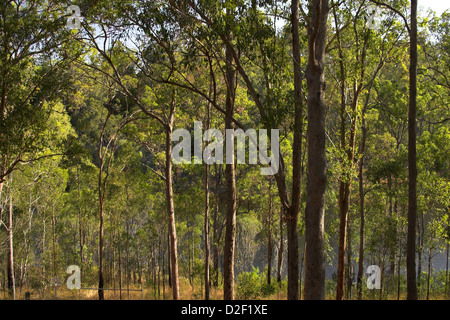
x=64, y=95
x=253, y=285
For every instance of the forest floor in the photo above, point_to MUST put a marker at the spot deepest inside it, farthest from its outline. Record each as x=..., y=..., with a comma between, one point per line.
x=187, y=292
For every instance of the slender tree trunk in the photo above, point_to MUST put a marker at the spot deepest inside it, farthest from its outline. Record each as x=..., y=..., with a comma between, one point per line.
x=349, y=260
x=171, y=213
x=316, y=182
x=54, y=239
x=119, y=250
x=342, y=203
x=80, y=224
x=419, y=254
x=292, y=218
x=361, y=210
x=280, y=249
x=100, y=254
x=43, y=251
x=114, y=239
x=269, y=236
x=27, y=244
x=447, y=280
x=169, y=268
x=159, y=269
x=302, y=271
x=345, y=186
x=10, y=262
x=269, y=258
x=215, y=227
x=412, y=165
x=207, y=243
x=399, y=270
x=101, y=197
x=344, y=199
x=127, y=249
x=343, y=211
x=100, y=241
x=230, y=231
x=429, y=273
x=164, y=275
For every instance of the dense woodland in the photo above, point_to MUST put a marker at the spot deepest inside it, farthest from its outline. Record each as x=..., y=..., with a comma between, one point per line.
x=86, y=172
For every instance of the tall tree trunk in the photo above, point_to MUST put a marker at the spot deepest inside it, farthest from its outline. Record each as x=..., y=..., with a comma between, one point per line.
x=10, y=262
x=127, y=249
x=207, y=243
x=101, y=186
x=361, y=210
x=169, y=272
x=80, y=223
x=412, y=165
x=345, y=180
x=119, y=250
x=349, y=260
x=27, y=244
x=230, y=231
x=342, y=203
x=100, y=252
x=316, y=182
x=344, y=199
x=54, y=239
x=171, y=212
x=292, y=218
x=269, y=236
x=215, y=227
x=43, y=251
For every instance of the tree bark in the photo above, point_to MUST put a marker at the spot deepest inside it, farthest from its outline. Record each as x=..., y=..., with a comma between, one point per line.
x=100, y=251
x=412, y=165
x=429, y=273
x=80, y=224
x=447, y=280
x=54, y=239
x=170, y=209
x=207, y=242
x=316, y=181
x=361, y=210
x=216, y=236
x=292, y=218
x=10, y=262
x=269, y=236
x=280, y=249
x=230, y=231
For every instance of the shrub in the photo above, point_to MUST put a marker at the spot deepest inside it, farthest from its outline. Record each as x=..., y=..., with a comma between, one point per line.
x=253, y=285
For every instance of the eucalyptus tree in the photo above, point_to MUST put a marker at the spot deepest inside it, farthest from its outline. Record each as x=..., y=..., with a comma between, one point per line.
x=355, y=72
x=35, y=51
x=316, y=178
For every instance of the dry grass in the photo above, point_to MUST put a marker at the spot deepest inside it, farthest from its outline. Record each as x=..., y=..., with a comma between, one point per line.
x=187, y=292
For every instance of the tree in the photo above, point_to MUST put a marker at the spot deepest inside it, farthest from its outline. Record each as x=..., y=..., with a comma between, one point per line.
x=316, y=178
x=412, y=162
x=292, y=218
x=230, y=218
x=34, y=57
